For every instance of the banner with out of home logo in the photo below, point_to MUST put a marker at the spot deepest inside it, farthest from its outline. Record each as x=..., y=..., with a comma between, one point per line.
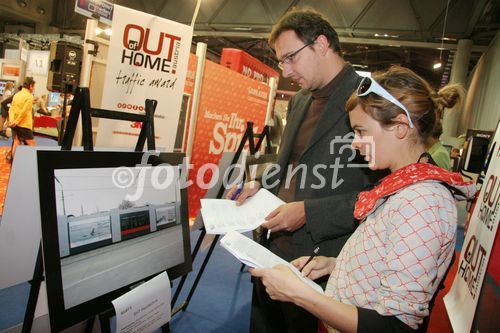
x=147, y=59
x=463, y=297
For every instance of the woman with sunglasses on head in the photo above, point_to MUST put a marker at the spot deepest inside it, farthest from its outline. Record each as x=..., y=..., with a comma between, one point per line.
x=390, y=268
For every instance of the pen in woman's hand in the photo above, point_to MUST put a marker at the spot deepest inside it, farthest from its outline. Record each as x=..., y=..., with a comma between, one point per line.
x=315, y=252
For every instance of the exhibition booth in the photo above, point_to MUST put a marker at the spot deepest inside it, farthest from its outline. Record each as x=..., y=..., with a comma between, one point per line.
x=147, y=132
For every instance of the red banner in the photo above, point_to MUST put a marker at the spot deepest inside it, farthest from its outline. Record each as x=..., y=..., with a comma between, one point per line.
x=244, y=63
x=228, y=100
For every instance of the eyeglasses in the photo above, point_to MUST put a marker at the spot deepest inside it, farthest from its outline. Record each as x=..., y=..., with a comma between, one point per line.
x=368, y=85
x=288, y=59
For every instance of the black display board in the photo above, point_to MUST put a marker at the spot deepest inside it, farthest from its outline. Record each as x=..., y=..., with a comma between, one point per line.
x=109, y=221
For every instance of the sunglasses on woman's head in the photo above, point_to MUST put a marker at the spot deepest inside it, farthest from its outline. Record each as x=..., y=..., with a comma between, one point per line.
x=368, y=85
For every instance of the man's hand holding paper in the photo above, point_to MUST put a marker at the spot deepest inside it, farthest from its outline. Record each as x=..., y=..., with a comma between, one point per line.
x=289, y=217
x=222, y=215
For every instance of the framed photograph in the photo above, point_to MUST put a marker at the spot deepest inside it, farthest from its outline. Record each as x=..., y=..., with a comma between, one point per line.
x=108, y=223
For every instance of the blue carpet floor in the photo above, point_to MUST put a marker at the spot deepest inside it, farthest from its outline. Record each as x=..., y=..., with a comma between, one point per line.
x=221, y=302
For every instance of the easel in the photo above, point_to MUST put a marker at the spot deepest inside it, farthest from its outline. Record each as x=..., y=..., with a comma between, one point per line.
x=66, y=90
x=81, y=105
x=248, y=137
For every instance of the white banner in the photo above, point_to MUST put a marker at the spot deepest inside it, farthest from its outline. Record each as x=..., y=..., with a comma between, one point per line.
x=38, y=62
x=23, y=50
x=462, y=299
x=147, y=58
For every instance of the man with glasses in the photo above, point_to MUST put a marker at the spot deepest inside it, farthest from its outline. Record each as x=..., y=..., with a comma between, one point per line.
x=320, y=196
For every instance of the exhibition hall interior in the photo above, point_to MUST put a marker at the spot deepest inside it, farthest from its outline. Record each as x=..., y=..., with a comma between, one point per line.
x=148, y=150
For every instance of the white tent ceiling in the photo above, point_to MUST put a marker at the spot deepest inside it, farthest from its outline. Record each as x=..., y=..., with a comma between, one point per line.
x=409, y=31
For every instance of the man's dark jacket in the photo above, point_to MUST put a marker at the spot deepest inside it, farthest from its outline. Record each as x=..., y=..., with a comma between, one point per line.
x=329, y=208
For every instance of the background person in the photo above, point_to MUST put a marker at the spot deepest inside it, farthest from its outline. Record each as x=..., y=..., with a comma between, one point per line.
x=41, y=105
x=438, y=152
x=318, y=210
x=4, y=113
x=390, y=268
x=21, y=116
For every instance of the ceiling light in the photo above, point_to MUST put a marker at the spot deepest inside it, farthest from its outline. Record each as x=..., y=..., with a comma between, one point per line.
x=98, y=31
x=40, y=10
x=438, y=64
x=22, y=3
x=242, y=28
x=376, y=35
x=107, y=31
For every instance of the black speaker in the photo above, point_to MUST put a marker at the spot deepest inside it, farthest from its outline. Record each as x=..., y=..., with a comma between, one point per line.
x=65, y=66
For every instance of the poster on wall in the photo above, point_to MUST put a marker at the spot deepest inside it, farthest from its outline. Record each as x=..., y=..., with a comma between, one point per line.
x=11, y=70
x=38, y=62
x=147, y=59
x=461, y=301
x=228, y=101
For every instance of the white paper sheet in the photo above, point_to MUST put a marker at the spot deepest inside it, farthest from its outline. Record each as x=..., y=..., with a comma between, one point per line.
x=144, y=308
x=255, y=255
x=222, y=215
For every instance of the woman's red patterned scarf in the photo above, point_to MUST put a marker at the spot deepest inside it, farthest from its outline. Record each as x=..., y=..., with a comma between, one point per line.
x=408, y=175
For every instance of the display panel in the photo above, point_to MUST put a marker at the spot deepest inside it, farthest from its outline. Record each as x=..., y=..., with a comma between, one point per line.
x=3, y=83
x=53, y=99
x=108, y=223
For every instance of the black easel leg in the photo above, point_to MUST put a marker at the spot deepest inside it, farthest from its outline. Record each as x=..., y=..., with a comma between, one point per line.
x=248, y=136
x=29, y=315
x=184, y=277
x=105, y=325
x=200, y=273
x=165, y=328
x=63, y=114
x=90, y=325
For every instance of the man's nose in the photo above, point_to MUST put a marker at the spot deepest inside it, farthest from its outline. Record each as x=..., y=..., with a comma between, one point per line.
x=287, y=70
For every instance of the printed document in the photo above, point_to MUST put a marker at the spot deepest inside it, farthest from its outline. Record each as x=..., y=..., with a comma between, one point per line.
x=223, y=215
x=255, y=255
x=145, y=308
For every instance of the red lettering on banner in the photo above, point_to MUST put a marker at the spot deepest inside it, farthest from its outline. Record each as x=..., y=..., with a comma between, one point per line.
x=491, y=191
x=247, y=71
x=473, y=266
x=128, y=106
x=488, y=209
x=143, y=40
x=136, y=124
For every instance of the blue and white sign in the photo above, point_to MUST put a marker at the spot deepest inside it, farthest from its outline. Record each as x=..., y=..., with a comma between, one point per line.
x=101, y=9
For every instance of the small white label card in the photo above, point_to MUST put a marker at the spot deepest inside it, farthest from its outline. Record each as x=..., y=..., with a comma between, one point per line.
x=145, y=308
